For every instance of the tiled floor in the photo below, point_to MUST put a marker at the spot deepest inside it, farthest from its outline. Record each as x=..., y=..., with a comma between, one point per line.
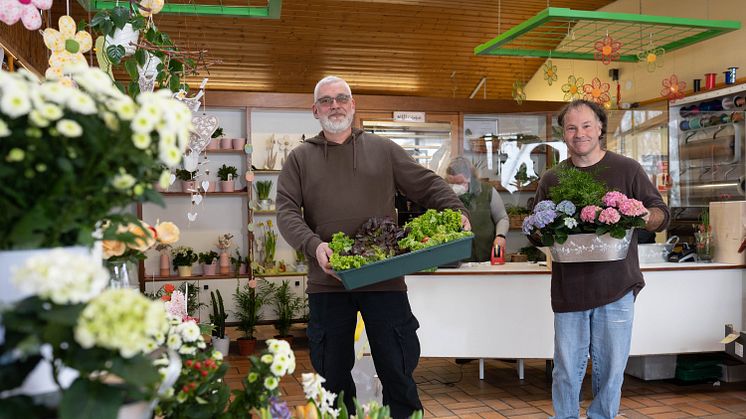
x=451, y=390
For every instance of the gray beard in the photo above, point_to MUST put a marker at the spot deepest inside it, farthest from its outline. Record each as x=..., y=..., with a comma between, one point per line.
x=336, y=127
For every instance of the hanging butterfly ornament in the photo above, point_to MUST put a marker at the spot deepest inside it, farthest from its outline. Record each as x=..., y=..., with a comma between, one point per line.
x=607, y=50
x=652, y=56
x=519, y=92
x=550, y=72
x=148, y=71
x=673, y=88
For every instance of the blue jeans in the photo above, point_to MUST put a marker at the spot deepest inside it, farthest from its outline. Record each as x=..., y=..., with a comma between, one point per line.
x=606, y=331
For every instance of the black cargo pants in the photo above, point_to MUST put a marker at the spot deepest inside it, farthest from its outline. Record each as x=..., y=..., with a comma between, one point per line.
x=392, y=332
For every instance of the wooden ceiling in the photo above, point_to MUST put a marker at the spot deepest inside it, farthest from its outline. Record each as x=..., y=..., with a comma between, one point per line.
x=384, y=47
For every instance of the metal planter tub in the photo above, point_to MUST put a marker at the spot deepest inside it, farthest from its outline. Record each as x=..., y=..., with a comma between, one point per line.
x=591, y=248
x=407, y=263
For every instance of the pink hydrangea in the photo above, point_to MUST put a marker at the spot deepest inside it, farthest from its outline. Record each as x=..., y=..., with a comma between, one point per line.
x=609, y=216
x=632, y=207
x=613, y=198
x=588, y=213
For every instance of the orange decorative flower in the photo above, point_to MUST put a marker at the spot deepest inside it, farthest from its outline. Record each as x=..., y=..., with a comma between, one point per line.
x=596, y=91
x=607, y=50
x=673, y=89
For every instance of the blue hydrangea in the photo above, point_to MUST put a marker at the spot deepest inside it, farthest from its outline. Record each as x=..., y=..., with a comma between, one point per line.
x=566, y=207
x=544, y=218
x=528, y=225
x=544, y=205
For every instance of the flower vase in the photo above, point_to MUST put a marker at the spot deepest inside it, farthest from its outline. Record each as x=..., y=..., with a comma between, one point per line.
x=224, y=263
x=122, y=274
x=704, y=246
x=165, y=264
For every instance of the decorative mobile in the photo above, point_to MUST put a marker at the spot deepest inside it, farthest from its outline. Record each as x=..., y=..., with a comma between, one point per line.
x=573, y=88
x=519, y=94
x=653, y=57
x=673, y=89
x=596, y=91
x=67, y=47
x=550, y=72
x=25, y=10
x=607, y=50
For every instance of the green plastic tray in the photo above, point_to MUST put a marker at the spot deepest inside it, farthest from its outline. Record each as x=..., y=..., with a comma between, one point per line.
x=407, y=263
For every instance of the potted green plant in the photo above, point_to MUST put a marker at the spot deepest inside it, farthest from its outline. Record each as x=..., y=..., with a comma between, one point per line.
x=285, y=305
x=220, y=341
x=227, y=175
x=208, y=261
x=249, y=301
x=300, y=261
x=184, y=257
x=239, y=263
x=188, y=184
x=266, y=244
x=214, y=143
x=516, y=214
x=263, y=188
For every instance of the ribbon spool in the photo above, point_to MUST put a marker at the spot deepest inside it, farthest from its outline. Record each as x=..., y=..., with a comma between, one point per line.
x=730, y=75
x=710, y=79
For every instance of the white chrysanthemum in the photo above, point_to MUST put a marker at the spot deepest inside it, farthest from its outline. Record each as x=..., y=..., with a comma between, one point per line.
x=55, y=92
x=277, y=346
x=141, y=140
x=142, y=123
x=152, y=111
x=187, y=350
x=15, y=101
x=267, y=358
x=69, y=128
x=36, y=118
x=110, y=120
x=50, y=111
x=81, y=103
x=170, y=156
x=4, y=130
x=125, y=108
x=166, y=138
x=278, y=369
x=312, y=385
x=94, y=79
x=174, y=341
x=165, y=179
x=189, y=331
x=123, y=181
x=217, y=355
x=63, y=277
x=270, y=383
x=122, y=320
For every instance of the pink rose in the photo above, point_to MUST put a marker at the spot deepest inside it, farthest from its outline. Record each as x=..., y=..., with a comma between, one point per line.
x=632, y=207
x=588, y=213
x=609, y=216
x=612, y=199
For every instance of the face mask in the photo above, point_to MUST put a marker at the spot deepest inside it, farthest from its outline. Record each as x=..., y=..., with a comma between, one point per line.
x=459, y=189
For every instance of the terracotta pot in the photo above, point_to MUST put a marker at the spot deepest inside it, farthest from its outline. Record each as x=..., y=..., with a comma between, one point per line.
x=238, y=143
x=225, y=263
x=165, y=264
x=184, y=270
x=209, y=269
x=246, y=346
x=188, y=186
x=227, y=186
x=214, y=144
x=226, y=143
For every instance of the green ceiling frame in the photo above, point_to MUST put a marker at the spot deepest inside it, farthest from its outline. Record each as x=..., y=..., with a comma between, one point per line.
x=270, y=11
x=571, y=34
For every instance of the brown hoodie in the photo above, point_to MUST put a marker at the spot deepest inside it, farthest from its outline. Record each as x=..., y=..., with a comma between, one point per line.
x=325, y=187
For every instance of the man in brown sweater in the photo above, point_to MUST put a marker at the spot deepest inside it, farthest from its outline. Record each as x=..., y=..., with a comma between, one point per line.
x=335, y=182
x=593, y=302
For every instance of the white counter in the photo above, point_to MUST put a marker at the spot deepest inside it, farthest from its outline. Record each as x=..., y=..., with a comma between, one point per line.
x=504, y=311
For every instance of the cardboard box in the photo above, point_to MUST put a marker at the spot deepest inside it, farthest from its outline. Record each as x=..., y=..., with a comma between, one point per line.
x=735, y=347
x=407, y=263
x=652, y=367
x=728, y=230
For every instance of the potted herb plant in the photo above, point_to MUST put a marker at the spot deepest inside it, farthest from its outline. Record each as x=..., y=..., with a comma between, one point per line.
x=214, y=143
x=184, y=257
x=263, y=187
x=227, y=176
x=249, y=301
x=188, y=184
x=220, y=341
x=208, y=261
x=285, y=305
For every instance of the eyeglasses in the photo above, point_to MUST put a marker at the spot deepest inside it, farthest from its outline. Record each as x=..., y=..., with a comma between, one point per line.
x=342, y=99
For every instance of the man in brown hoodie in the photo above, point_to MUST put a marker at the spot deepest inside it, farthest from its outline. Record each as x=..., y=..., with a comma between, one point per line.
x=335, y=182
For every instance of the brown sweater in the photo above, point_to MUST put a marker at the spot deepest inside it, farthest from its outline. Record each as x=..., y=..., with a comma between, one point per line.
x=583, y=286
x=340, y=186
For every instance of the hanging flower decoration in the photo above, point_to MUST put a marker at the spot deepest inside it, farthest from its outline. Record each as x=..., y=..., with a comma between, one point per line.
x=572, y=88
x=150, y=7
x=67, y=47
x=519, y=94
x=653, y=57
x=550, y=72
x=673, y=89
x=607, y=50
x=596, y=91
x=25, y=10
